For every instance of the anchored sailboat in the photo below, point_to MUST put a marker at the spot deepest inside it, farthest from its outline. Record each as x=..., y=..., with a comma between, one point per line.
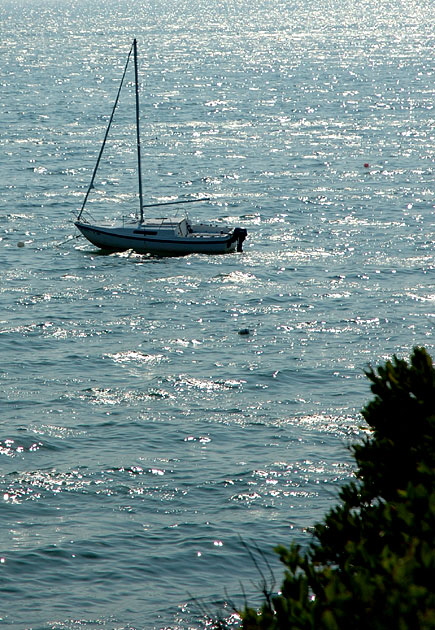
x=164, y=236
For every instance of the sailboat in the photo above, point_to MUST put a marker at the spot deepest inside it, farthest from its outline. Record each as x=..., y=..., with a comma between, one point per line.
x=161, y=236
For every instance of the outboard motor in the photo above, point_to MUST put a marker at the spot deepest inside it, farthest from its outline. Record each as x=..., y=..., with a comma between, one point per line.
x=239, y=235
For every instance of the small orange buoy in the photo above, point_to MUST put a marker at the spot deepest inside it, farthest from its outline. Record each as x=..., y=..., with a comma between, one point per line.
x=366, y=165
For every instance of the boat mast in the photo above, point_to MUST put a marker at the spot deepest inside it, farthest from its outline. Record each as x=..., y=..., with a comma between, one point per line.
x=139, y=161
x=91, y=185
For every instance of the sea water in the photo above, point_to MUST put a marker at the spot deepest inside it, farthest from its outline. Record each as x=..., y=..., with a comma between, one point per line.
x=150, y=452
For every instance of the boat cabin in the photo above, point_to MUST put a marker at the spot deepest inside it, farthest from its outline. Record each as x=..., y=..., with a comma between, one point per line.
x=150, y=227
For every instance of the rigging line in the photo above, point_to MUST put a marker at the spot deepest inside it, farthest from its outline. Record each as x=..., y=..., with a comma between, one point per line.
x=91, y=185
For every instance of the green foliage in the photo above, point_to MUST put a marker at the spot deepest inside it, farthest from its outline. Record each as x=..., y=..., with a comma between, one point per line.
x=371, y=564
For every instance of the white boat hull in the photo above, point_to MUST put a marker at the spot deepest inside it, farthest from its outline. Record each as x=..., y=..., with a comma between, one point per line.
x=171, y=238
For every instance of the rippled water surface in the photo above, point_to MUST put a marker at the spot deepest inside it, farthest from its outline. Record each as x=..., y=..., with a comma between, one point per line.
x=143, y=438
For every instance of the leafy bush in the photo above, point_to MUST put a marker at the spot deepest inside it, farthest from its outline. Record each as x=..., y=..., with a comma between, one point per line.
x=371, y=564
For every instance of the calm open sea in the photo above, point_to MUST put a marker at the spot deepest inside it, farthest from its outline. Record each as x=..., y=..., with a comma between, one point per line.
x=143, y=440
